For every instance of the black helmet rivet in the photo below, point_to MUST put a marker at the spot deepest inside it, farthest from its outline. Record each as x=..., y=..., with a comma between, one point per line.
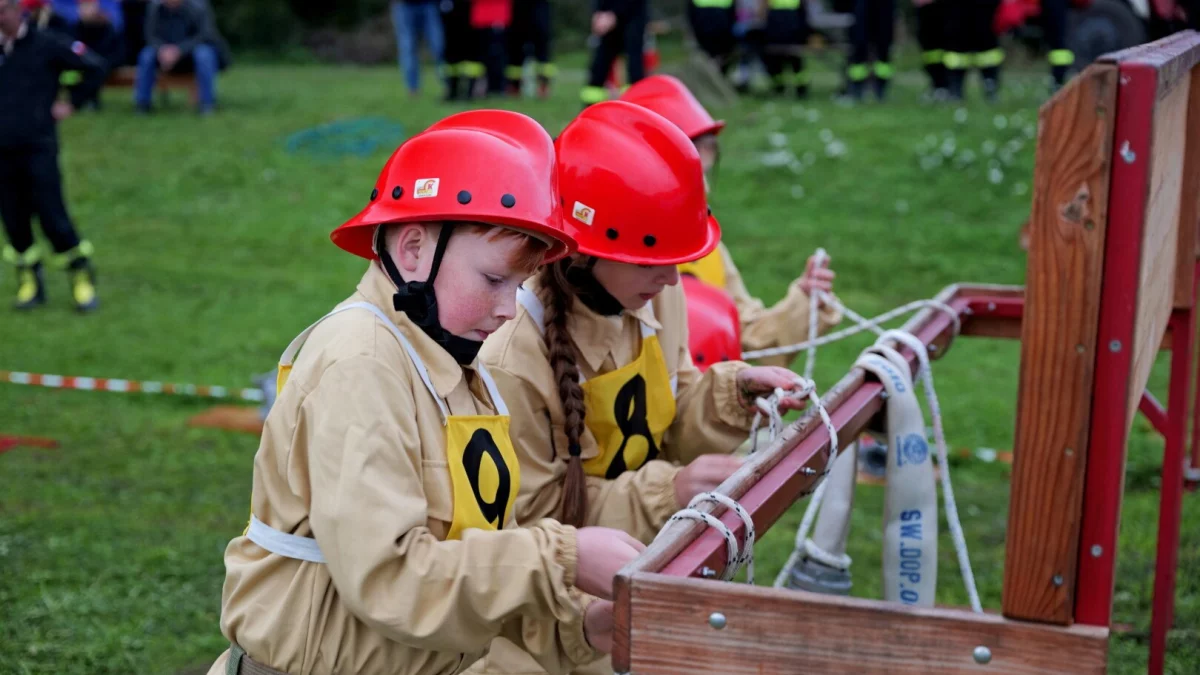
x=397, y=192
x=508, y=201
x=611, y=233
x=464, y=197
x=374, y=194
x=649, y=240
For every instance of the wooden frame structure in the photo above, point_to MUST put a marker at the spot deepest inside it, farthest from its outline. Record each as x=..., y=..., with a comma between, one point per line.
x=1112, y=275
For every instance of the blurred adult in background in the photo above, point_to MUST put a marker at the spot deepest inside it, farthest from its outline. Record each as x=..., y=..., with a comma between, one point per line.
x=181, y=37
x=491, y=20
x=413, y=20
x=712, y=23
x=616, y=25
x=787, y=33
x=973, y=42
x=31, y=62
x=530, y=32
x=931, y=35
x=1054, y=22
x=871, y=40
x=461, y=68
x=99, y=24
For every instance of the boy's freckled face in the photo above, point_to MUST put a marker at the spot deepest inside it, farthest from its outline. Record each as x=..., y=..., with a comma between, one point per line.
x=477, y=287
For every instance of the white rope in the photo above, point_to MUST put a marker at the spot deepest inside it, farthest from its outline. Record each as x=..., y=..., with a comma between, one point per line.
x=935, y=411
x=746, y=556
x=816, y=297
x=731, y=545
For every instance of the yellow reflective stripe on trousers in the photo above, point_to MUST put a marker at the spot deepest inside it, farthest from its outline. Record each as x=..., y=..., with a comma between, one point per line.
x=31, y=256
x=719, y=4
x=593, y=94
x=884, y=71
x=858, y=72
x=1061, y=57
x=934, y=56
x=547, y=69
x=783, y=4
x=989, y=59
x=957, y=61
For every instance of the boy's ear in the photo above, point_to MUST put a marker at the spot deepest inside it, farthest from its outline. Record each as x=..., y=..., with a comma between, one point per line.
x=406, y=247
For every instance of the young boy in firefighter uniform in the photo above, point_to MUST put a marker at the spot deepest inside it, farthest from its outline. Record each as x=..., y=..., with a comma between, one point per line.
x=787, y=321
x=612, y=422
x=382, y=536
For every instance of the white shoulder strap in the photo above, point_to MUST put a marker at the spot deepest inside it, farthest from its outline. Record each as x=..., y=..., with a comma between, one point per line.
x=533, y=304
x=493, y=391
x=289, y=354
x=284, y=544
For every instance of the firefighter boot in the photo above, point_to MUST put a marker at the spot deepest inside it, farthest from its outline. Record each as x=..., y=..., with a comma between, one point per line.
x=31, y=287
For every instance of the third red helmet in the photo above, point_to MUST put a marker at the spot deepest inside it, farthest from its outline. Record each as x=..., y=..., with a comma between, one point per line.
x=669, y=97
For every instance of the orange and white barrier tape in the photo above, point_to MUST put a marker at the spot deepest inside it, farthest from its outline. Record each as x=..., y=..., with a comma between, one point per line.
x=128, y=386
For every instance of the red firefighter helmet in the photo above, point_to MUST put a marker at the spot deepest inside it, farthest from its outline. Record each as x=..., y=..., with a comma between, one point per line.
x=714, y=329
x=487, y=166
x=667, y=96
x=633, y=187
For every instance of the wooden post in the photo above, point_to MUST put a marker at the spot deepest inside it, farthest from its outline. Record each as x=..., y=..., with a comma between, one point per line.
x=1068, y=224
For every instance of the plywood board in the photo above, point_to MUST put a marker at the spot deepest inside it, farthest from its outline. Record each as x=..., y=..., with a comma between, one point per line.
x=1160, y=237
x=1068, y=224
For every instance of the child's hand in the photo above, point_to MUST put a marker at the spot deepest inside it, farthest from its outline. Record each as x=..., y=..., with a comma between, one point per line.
x=704, y=474
x=598, y=625
x=762, y=381
x=603, y=22
x=602, y=552
x=817, y=276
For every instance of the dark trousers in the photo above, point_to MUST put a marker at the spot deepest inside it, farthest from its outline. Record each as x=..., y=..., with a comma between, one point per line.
x=786, y=28
x=493, y=56
x=873, y=31
x=972, y=42
x=713, y=28
x=1054, y=23
x=932, y=36
x=30, y=182
x=628, y=35
x=529, y=32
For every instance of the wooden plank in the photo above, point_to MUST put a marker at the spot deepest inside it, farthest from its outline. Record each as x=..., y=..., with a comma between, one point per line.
x=1160, y=238
x=779, y=631
x=1058, y=345
x=1189, y=208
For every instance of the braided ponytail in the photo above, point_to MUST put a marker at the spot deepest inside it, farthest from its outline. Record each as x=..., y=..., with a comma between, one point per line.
x=558, y=297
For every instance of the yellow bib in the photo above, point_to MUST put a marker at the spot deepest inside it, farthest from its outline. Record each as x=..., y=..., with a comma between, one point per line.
x=710, y=269
x=485, y=475
x=628, y=409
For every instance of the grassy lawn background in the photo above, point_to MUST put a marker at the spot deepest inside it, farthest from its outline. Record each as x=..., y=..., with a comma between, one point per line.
x=213, y=252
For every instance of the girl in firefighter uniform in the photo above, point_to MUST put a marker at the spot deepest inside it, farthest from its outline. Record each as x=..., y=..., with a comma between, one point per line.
x=382, y=536
x=762, y=327
x=612, y=422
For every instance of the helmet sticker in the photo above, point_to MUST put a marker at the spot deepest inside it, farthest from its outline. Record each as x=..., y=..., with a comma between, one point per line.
x=583, y=213
x=426, y=187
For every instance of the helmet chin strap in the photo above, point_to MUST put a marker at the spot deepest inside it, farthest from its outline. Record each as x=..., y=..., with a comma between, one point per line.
x=589, y=290
x=418, y=301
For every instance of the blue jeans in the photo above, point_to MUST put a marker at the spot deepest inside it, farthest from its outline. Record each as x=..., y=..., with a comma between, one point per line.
x=203, y=59
x=413, y=21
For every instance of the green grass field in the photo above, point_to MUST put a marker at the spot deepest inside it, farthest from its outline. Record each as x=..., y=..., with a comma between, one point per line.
x=213, y=252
